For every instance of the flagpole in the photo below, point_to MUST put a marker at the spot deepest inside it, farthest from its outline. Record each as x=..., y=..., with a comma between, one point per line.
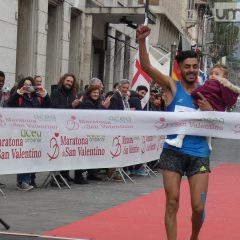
x=139, y=76
x=173, y=54
x=147, y=41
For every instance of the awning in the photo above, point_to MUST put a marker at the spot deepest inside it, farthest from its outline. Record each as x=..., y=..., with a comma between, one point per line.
x=127, y=15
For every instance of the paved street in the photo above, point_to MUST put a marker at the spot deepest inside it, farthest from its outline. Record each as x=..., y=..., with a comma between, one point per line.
x=43, y=209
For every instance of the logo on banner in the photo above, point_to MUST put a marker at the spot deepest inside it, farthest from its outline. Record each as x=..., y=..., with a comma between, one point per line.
x=2, y=121
x=116, y=147
x=45, y=117
x=31, y=135
x=72, y=124
x=120, y=119
x=54, y=147
x=161, y=124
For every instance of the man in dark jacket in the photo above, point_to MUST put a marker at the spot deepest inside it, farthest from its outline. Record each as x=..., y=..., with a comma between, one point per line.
x=64, y=97
x=120, y=99
x=137, y=96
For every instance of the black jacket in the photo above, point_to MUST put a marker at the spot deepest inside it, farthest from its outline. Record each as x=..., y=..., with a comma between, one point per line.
x=134, y=101
x=62, y=98
x=89, y=103
x=25, y=101
x=116, y=102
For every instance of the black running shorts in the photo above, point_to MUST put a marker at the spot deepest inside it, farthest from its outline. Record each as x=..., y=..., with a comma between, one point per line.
x=183, y=164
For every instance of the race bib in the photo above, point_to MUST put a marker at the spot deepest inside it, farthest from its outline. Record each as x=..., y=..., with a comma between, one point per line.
x=179, y=108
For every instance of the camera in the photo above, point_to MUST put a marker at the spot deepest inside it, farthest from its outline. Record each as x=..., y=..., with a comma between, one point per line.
x=31, y=89
x=5, y=89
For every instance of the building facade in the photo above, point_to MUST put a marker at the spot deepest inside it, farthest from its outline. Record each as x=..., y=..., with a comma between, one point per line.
x=92, y=38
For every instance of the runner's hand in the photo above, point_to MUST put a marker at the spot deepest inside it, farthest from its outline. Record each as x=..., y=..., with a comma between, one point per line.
x=143, y=32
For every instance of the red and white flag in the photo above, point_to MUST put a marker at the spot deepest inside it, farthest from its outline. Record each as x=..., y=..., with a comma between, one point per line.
x=141, y=78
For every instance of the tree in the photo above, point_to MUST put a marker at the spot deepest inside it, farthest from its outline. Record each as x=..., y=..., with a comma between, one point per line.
x=225, y=39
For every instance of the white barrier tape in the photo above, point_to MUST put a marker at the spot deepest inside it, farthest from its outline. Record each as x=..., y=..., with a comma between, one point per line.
x=37, y=140
x=128, y=123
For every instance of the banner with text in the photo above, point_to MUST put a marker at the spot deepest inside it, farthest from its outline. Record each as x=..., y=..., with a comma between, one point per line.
x=36, y=140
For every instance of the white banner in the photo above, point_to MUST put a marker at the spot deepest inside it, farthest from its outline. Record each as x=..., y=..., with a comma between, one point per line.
x=128, y=123
x=36, y=140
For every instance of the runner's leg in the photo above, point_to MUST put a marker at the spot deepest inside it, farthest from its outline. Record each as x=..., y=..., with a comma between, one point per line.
x=198, y=185
x=171, y=181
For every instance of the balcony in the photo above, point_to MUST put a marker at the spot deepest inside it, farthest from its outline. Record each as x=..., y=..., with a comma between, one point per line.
x=124, y=15
x=191, y=16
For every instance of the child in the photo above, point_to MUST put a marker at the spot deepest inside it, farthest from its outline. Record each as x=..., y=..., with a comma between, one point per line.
x=219, y=92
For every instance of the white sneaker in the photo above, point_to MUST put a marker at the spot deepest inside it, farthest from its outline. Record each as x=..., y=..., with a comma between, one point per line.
x=24, y=187
x=174, y=142
x=141, y=172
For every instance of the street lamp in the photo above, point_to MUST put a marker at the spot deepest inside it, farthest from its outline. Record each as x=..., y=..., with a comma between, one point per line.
x=173, y=54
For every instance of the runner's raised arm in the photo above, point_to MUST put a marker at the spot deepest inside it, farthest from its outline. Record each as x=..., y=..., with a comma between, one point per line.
x=155, y=74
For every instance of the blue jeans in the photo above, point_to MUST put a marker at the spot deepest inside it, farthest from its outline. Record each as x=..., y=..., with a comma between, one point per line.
x=24, y=177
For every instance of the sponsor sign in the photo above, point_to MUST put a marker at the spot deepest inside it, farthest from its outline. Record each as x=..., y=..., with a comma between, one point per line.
x=226, y=12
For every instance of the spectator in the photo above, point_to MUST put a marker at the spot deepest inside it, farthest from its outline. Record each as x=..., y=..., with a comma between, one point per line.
x=28, y=96
x=64, y=97
x=115, y=86
x=104, y=102
x=158, y=103
x=137, y=96
x=91, y=98
x=4, y=91
x=135, y=104
x=134, y=100
x=37, y=80
x=2, y=101
x=141, y=91
x=120, y=99
x=82, y=92
x=2, y=82
x=90, y=101
x=97, y=82
x=110, y=93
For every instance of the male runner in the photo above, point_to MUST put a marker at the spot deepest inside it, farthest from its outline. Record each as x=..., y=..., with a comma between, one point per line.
x=192, y=159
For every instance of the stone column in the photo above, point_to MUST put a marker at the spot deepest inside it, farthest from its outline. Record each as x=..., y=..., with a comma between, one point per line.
x=109, y=66
x=41, y=38
x=65, y=37
x=86, y=59
x=8, y=40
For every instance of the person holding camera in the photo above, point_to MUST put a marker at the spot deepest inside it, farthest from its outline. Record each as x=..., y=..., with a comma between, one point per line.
x=3, y=99
x=4, y=91
x=156, y=100
x=28, y=95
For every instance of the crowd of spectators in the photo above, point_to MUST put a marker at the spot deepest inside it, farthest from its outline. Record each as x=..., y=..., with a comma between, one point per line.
x=30, y=93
